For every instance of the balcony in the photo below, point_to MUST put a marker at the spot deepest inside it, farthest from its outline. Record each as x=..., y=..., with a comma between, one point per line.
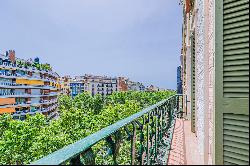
x=21, y=115
x=100, y=89
x=109, y=85
x=31, y=69
x=23, y=94
x=145, y=138
x=10, y=65
x=8, y=75
x=100, y=85
x=6, y=83
x=28, y=103
x=23, y=86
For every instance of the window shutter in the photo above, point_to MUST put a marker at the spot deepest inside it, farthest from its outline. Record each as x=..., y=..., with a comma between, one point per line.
x=232, y=82
x=193, y=82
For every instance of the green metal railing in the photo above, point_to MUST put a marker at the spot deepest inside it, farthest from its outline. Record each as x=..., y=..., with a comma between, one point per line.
x=141, y=139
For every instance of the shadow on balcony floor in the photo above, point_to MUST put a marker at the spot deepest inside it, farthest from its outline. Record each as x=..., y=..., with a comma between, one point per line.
x=184, y=149
x=177, y=153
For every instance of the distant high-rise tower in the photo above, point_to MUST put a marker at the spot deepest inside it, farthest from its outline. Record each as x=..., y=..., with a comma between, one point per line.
x=179, y=80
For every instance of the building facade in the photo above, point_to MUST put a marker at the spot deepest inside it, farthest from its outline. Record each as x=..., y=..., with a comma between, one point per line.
x=215, y=72
x=76, y=88
x=65, y=85
x=102, y=85
x=27, y=87
x=122, y=84
x=93, y=85
x=152, y=88
x=135, y=86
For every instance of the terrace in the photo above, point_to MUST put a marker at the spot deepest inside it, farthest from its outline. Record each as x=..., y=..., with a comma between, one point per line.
x=21, y=86
x=23, y=94
x=21, y=115
x=32, y=67
x=156, y=135
x=3, y=75
x=28, y=103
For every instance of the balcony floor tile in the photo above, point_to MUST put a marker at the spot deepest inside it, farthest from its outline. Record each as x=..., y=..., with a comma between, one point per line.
x=184, y=149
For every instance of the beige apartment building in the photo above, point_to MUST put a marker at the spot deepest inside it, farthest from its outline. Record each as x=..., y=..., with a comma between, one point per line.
x=65, y=84
x=215, y=72
x=102, y=85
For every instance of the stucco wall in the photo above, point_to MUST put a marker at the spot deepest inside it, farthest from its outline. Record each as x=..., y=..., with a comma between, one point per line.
x=204, y=29
x=211, y=11
x=203, y=24
x=199, y=80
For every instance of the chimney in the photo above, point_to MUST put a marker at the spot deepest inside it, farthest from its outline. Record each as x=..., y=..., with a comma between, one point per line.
x=188, y=6
x=12, y=56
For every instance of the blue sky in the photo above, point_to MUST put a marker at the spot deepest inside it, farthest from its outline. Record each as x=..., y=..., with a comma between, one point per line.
x=139, y=39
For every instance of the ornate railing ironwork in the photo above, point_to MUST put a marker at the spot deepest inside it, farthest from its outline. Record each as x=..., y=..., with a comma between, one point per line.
x=141, y=139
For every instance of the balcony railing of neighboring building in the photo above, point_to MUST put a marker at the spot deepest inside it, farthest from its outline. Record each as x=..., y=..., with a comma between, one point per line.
x=109, y=85
x=147, y=135
x=100, y=89
x=29, y=103
x=8, y=64
x=98, y=85
x=13, y=94
x=21, y=115
x=23, y=94
x=48, y=101
x=11, y=65
x=8, y=75
x=14, y=86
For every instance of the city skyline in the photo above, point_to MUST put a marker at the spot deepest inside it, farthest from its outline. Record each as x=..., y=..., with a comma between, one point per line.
x=73, y=78
x=133, y=39
x=108, y=76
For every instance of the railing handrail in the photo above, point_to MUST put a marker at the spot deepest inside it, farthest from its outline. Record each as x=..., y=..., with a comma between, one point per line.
x=83, y=144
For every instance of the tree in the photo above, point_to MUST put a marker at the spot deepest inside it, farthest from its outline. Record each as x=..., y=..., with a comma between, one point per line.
x=22, y=142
